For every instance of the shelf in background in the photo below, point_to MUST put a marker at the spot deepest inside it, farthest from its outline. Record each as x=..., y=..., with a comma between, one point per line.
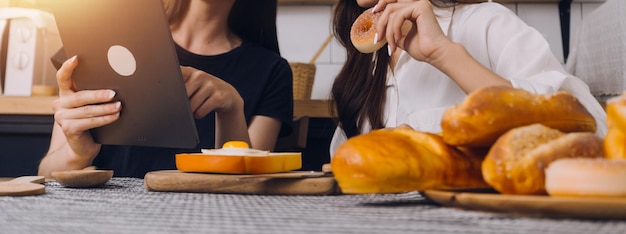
x=312, y=108
x=10, y=105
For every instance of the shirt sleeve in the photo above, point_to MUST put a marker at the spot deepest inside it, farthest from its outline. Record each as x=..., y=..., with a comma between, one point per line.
x=277, y=101
x=339, y=137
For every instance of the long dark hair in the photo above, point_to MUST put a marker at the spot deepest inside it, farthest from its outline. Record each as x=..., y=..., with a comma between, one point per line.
x=252, y=20
x=359, y=89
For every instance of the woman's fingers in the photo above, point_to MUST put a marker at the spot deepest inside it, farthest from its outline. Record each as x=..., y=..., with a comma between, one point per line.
x=383, y=26
x=401, y=22
x=72, y=127
x=382, y=4
x=412, y=26
x=84, y=110
x=85, y=97
x=208, y=93
x=204, y=100
x=89, y=111
x=64, y=76
x=77, y=121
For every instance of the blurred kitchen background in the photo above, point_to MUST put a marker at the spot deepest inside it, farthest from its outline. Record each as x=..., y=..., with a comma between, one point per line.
x=303, y=28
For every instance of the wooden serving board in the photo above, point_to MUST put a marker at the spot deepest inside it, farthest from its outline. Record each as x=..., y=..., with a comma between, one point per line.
x=300, y=183
x=533, y=205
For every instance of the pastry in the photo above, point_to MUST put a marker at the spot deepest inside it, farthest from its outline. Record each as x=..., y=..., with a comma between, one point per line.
x=516, y=163
x=487, y=113
x=401, y=160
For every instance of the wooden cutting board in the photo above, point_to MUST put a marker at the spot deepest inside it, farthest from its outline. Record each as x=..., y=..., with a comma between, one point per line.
x=532, y=205
x=299, y=183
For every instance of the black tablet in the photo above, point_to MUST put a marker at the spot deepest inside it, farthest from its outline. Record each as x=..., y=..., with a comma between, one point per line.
x=127, y=46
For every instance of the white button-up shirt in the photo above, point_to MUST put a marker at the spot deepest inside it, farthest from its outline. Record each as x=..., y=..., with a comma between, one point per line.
x=418, y=93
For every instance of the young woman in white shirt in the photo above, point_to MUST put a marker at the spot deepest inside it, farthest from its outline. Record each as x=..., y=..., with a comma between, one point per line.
x=453, y=48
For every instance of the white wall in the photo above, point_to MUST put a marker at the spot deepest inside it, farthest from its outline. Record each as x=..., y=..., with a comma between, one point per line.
x=303, y=28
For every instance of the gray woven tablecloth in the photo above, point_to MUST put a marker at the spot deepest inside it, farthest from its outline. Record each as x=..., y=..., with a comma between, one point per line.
x=124, y=206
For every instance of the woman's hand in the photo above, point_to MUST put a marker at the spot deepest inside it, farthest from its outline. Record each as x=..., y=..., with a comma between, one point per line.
x=411, y=26
x=75, y=112
x=426, y=42
x=208, y=93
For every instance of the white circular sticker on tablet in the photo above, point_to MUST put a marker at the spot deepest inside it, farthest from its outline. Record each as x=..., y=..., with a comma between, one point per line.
x=122, y=60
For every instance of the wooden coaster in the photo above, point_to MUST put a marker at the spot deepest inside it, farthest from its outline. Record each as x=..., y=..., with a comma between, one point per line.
x=23, y=186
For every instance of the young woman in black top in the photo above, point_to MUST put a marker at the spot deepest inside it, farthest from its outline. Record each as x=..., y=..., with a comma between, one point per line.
x=240, y=88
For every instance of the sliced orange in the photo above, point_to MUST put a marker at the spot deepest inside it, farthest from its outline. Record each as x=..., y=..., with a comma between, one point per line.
x=238, y=164
x=236, y=158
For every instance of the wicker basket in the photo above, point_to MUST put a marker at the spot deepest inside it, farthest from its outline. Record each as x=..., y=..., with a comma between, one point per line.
x=303, y=77
x=304, y=74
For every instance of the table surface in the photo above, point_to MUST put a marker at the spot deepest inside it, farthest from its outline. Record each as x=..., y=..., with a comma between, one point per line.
x=123, y=205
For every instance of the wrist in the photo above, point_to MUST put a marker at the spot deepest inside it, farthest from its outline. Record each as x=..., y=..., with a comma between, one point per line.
x=235, y=109
x=449, y=55
x=81, y=159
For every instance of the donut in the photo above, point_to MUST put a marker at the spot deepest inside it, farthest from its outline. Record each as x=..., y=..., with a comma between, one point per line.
x=586, y=177
x=363, y=32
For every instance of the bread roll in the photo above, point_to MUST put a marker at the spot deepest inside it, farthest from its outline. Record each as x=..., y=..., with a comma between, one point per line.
x=615, y=139
x=515, y=164
x=488, y=113
x=402, y=160
x=583, y=177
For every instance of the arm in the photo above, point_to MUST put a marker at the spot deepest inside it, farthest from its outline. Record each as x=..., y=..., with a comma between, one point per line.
x=208, y=93
x=71, y=145
x=425, y=41
x=264, y=132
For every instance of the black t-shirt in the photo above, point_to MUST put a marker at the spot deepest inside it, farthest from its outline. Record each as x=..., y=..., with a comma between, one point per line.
x=262, y=78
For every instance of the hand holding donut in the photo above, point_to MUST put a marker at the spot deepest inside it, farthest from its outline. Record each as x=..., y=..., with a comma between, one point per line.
x=407, y=24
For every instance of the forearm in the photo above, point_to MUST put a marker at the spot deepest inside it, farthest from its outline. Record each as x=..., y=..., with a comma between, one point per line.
x=466, y=71
x=230, y=126
x=63, y=159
